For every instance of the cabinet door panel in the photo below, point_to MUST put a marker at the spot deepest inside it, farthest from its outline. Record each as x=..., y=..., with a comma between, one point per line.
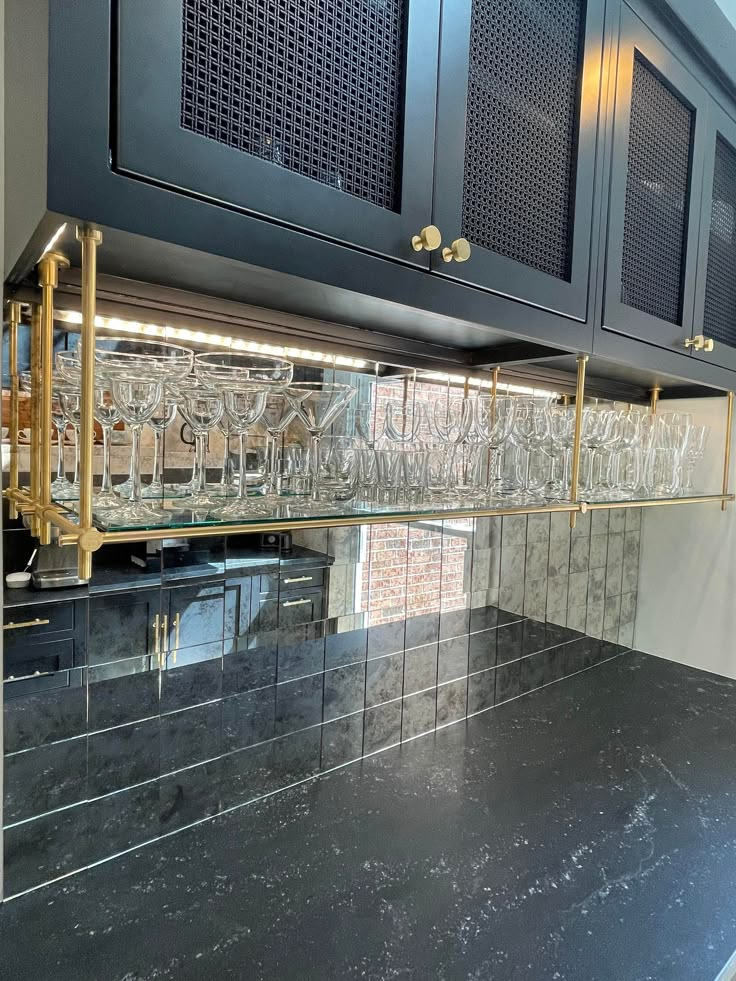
x=319, y=116
x=516, y=132
x=715, y=300
x=656, y=176
x=196, y=616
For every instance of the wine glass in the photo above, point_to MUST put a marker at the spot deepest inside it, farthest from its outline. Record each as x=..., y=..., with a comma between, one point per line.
x=531, y=427
x=107, y=414
x=450, y=419
x=694, y=452
x=71, y=407
x=494, y=422
x=61, y=487
x=626, y=464
x=201, y=408
x=163, y=417
x=562, y=434
x=136, y=400
x=318, y=404
x=278, y=414
x=243, y=409
x=403, y=421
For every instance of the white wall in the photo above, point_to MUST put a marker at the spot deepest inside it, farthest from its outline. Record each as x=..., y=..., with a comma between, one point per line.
x=687, y=576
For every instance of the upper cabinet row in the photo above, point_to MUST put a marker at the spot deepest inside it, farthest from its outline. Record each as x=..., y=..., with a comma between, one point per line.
x=365, y=121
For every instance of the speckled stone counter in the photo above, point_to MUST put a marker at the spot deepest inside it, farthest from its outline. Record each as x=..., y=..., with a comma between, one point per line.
x=586, y=832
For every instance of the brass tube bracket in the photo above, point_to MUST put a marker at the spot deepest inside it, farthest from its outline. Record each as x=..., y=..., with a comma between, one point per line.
x=727, y=451
x=582, y=360
x=14, y=316
x=654, y=395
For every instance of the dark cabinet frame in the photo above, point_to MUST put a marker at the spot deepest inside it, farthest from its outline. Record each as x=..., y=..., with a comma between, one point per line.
x=485, y=268
x=151, y=144
x=636, y=36
x=719, y=124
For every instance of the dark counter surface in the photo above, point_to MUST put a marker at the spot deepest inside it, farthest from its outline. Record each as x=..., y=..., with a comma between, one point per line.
x=117, y=573
x=586, y=832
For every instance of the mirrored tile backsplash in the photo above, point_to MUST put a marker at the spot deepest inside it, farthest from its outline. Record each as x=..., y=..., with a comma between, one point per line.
x=202, y=682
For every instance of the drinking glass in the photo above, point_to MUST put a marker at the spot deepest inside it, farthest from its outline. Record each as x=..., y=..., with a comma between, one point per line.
x=243, y=408
x=368, y=472
x=662, y=473
x=233, y=370
x=596, y=424
x=390, y=474
x=61, y=488
x=71, y=407
x=163, y=417
x=440, y=464
x=134, y=358
x=202, y=409
x=626, y=464
x=404, y=421
x=694, y=452
x=278, y=414
x=450, y=419
x=338, y=467
x=107, y=414
x=562, y=435
x=136, y=401
x=414, y=469
x=494, y=421
x=295, y=469
x=531, y=427
x=319, y=404
x=468, y=471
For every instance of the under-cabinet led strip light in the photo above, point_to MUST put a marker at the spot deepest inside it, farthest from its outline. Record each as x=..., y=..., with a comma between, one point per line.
x=120, y=326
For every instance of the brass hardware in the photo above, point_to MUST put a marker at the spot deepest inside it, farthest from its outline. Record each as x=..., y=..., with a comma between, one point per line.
x=727, y=455
x=494, y=381
x=164, y=640
x=48, y=280
x=582, y=360
x=466, y=388
x=288, y=582
x=565, y=399
x=705, y=499
x=299, y=602
x=14, y=313
x=35, y=411
x=177, y=620
x=156, y=641
x=654, y=399
x=90, y=239
x=700, y=343
x=429, y=239
x=459, y=251
x=27, y=677
x=38, y=622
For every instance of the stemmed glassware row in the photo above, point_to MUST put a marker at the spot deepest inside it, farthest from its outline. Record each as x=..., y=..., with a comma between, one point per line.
x=445, y=451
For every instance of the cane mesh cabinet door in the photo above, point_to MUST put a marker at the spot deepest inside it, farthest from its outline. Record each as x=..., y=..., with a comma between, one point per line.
x=517, y=122
x=656, y=183
x=315, y=114
x=715, y=298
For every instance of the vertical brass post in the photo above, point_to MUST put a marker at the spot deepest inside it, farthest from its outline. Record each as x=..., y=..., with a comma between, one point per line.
x=35, y=487
x=654, y=399
x=494, y=383
x=727, y=454
x=90, y=238
x=13, y=323
x=582, y=360
x=48, y=280
x=466, y=388
x=565, y=399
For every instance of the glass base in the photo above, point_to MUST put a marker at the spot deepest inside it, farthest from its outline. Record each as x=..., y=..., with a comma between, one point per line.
x=163, y=492
x=138, y=514
x=201, y=502
x=124, y=490
x=303, y=506
x=248, y=508
x=105, y=501
x=64, y=490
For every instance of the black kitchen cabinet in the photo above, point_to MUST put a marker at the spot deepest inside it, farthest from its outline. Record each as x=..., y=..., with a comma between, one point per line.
x=44, y=647
x=715, y=296
x=123, y=627
x=320, y=116
x=194, y=619
x=517, y=120
x=657, y=167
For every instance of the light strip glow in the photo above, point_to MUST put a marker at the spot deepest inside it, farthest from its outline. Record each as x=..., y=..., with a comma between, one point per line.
x=119, y=326
x=54, y=239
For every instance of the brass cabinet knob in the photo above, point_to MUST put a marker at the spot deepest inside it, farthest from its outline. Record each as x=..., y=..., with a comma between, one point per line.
x=459, y=251
x=700, y=343
x=429, y=239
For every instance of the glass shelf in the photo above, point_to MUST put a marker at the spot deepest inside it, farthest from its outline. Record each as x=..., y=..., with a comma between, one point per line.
x=290, y=514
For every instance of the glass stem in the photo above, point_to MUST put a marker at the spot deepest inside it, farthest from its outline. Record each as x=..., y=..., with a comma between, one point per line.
x=272, y=448
x=225, y=475
x=76, y=456
x=135, y=465
x=60, y=466
x=106, y=487
x=156, y=474
x=527, y=470
x=200, y=479
x=315, y=465
x=242, y=480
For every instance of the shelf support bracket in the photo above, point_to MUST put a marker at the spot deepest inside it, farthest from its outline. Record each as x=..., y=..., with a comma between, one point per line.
x=654, y=394
x=582, y=360
x=35, y=412
x=727, y=452
x=90, y=239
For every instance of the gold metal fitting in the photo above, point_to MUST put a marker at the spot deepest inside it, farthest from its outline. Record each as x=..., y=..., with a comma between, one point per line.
x=429, y=239
x=654, y=399
x=459, y=251
x=90, y=539
x=700, y=343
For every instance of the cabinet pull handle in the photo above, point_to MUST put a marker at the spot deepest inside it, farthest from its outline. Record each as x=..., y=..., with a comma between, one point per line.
x=28, y=677
x=298, y=579
x=459, y=251
x=177, y=619
x=164, y=640
x=429, y=239
x=700, y=343
x=38, y=622
x=299, y=602
x=156, y=640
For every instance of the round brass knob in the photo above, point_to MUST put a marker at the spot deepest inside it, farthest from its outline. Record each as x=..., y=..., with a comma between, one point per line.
x=459, y=251
x=700, y=343
x=429, y=239
x=708, y=346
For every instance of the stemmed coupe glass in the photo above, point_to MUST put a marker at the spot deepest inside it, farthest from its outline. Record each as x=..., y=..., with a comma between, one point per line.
x=62, y=488
x=163, y=417
x=202, y=409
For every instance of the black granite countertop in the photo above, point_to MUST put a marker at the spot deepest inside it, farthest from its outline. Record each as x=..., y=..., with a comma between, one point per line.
x=584, y=833
x=111, y=574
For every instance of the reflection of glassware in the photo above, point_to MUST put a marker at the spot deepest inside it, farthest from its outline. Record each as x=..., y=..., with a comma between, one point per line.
x=233, y=370
x=136, y=401
x=450, y=419
x=61, y=487
x=403, y=421
x=440, y=461
x=163, y=417
x=368, y=472
x=494, y=421
x=278, y=413
x=136, y=358
x=319, y=404
x=389, y=473
x=107, y=414
x=295, y=469
x=243, y=409
x=271, y=150
x=202, y=409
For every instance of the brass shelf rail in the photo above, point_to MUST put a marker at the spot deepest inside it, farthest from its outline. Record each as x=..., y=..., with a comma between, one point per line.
x=35, y=500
